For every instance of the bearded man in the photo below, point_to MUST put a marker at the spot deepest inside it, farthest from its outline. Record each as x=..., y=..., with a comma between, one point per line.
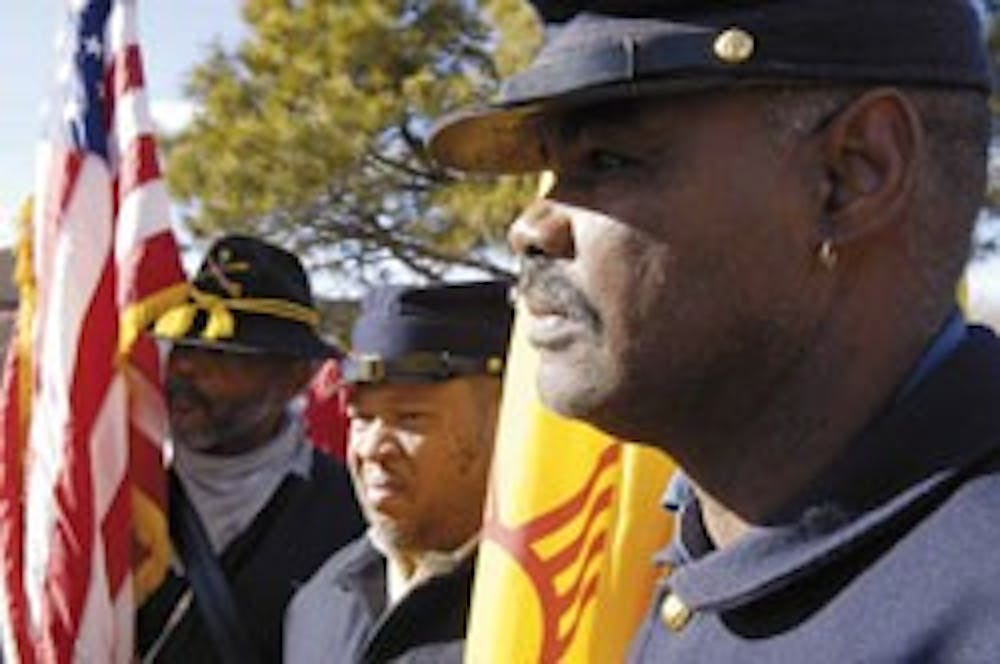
x=254, y=508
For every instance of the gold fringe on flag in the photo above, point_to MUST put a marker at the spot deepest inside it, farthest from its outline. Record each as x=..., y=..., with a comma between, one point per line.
x=24, y=279
x=152, y=532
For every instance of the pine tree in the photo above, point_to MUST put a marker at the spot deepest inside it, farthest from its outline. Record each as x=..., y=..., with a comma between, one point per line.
x=310, y=133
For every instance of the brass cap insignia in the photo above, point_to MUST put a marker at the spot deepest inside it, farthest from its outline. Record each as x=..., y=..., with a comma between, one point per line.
x=734, y=46
x=371, y=369
x=494, y=366
x=220, y=267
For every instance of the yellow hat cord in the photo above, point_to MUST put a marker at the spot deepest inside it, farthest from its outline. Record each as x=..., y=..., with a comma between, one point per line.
x=221, y=324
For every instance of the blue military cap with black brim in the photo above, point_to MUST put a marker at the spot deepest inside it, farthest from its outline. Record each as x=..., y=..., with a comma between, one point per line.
x=605, y=50
x=428, y=334
x=248, y=297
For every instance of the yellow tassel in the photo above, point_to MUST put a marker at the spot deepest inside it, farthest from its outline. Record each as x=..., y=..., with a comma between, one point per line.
x=138, y=316
x=220, y=325
x=176, y=322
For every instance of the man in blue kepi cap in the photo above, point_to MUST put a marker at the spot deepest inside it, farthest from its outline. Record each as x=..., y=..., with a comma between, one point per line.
x=426, y=367
x=748, y=259
x=254, y=508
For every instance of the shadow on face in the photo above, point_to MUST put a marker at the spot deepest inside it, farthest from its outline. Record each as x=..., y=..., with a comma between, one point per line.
x=227, y=403
x=419, y=456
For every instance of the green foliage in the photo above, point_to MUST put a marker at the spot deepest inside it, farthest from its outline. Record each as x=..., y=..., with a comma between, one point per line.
x=310, y=132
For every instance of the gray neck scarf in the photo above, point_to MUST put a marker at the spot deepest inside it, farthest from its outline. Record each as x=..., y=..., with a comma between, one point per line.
x=229, y=491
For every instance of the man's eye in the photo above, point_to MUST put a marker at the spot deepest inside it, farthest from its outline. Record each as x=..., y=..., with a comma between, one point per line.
x=412, y=419
x=602, y=161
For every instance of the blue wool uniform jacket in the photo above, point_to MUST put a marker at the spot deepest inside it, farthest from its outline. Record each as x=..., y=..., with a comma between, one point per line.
x=341, y=616
x=304, y=523
x=894, y=555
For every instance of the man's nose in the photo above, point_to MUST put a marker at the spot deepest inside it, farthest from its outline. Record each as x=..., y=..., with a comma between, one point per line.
x=179, y=361
x=183, y=360
x=374, y=441
x=544, y=228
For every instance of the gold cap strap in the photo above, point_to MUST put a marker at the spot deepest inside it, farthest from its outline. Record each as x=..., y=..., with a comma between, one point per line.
x=221, y=324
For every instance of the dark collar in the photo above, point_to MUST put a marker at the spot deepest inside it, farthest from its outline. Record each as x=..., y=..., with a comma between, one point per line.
x=920, y=444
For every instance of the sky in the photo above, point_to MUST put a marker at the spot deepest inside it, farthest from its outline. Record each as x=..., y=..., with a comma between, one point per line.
x=174, y=35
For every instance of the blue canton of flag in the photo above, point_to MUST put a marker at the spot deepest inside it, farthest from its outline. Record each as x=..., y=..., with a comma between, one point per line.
x=83, y=109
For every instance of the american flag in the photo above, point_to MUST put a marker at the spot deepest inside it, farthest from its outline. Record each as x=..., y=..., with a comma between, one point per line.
x=82, y=492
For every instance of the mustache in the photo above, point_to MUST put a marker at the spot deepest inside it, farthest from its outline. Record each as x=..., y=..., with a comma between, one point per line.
x=545, y=287
x=183, y=388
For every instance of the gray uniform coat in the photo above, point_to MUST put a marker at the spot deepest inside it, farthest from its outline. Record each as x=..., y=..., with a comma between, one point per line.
x=341, y=614
x=896, y=557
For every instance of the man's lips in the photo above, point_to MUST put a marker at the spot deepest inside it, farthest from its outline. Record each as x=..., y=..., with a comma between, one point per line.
x=183, y=398
x=540, y=307
x=559, y=312
x=380, y=487
x=552, y=331
x=550, y=325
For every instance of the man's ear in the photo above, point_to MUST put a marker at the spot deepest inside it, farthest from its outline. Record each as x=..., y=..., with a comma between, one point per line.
x=872, y=151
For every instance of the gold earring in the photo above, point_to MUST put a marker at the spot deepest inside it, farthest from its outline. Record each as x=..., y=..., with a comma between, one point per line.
x=827, y=255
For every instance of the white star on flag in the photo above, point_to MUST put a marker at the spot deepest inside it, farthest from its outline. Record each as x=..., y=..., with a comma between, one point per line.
x=92, y=46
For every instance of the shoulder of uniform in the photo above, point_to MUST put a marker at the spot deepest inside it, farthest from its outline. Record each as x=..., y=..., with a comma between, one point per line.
x=356, y=560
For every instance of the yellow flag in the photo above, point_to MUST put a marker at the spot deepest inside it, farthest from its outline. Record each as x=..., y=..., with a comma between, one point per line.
x=564, y=571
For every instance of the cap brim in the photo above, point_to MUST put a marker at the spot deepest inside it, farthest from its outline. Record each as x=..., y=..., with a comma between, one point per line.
x=504, y=138
x=488, y=140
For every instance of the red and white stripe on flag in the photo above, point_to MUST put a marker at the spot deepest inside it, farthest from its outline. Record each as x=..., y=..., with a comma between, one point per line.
x=82, y=489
